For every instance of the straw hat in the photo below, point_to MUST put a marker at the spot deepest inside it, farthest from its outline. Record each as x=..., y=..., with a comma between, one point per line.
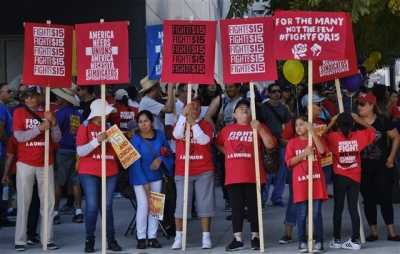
x=67, y=94
x=95, y=109
x=146, y=84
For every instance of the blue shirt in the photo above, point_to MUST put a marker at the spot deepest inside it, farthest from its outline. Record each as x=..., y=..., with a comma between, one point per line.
x=5, y=116
x=69, y=119
x=140, y=172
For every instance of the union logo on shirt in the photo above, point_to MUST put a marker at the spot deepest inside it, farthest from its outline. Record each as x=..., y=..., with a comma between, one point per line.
x=31, y=123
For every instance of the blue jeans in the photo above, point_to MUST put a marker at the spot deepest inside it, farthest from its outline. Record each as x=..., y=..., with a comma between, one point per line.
x=302, y=213
x=92, y=188
x=291, y=209
x=279, y=181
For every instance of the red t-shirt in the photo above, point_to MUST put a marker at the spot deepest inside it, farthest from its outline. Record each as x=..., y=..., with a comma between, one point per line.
x=91, y=163
x=239, y=153
x=12, y=148
x=200, y=156
x=300, y=171
x=395, y=111
x=331, y=107
x=346, y=152
x=123, y=115
x=32, y=151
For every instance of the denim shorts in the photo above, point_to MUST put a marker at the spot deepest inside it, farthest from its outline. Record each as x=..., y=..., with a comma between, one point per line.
x=203, y=186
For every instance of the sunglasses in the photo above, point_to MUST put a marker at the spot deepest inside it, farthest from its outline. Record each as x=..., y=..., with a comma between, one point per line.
x=7, y=91
x=276, y=91
x=361, y=104
x=319, y=104
x=30, y=95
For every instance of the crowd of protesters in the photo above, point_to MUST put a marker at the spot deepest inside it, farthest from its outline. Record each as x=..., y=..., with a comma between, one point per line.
x=356, y=149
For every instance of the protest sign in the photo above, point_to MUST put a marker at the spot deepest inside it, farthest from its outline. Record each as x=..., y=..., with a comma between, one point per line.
x=247, y=50
x=156, y=205
x=126, y=153
x=327, y=160
x=189, y=51
x=47, y=55
x=102, y=51
x=305, y=35
x=155, y=40
x=332, y=69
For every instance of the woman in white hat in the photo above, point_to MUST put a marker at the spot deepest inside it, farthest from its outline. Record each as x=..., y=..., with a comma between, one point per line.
x=88, y=148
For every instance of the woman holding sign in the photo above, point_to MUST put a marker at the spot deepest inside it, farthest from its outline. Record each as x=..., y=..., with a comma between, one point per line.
x=88, y=148
x=201, y=171
x=146, y=175
x=236, y=142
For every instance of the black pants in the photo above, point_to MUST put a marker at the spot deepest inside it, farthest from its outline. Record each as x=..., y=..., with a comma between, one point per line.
x=241, y=194
x=377, y=189
x=345, y=187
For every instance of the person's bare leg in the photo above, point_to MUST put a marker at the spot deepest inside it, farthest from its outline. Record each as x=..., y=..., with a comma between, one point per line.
x=178, y=224
x=374, y=230
x=77, y=196
x=391, y=231
x=289, y=231
x=57, y=196
x=205, y=223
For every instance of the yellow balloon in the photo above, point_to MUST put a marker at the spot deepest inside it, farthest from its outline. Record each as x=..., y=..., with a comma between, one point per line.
x=369, y=66
x=375, y=56
x=367, y=62
x=293, y=71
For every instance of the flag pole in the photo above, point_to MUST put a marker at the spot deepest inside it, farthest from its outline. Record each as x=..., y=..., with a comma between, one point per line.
x=310, y=160
x=257, y=168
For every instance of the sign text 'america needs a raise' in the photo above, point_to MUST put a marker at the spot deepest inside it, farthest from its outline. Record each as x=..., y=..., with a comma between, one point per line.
x=310, y=35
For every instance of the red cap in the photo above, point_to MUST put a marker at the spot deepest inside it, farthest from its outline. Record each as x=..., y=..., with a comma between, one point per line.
x=195, y=101
x=368, y=97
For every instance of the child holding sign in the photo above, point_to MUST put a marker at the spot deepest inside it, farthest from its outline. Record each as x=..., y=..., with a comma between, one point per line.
x=297, y=152
x=346, y=146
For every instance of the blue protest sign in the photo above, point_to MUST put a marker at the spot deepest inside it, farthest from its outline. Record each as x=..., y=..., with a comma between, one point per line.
x=154, y=36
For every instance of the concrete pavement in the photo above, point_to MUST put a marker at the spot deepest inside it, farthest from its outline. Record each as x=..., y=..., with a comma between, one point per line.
x=70, y=237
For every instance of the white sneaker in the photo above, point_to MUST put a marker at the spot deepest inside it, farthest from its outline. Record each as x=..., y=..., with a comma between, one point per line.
x=177, y=245
x=350, y=245
x=206, y=243
x=303, y=248
x=335, y=244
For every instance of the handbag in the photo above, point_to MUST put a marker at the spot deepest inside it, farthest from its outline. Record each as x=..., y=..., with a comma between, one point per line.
x=168, y=181
x=271, y=160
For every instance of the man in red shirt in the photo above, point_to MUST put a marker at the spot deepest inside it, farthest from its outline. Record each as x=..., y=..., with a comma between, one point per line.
x=30, y=124
x=331, y=100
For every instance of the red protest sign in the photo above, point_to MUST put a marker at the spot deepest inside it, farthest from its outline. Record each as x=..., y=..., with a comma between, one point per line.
x=103, y=53
x=247, y=50
x=332, y=69
x=304, y=35
x=189, y=51
x=47, y=55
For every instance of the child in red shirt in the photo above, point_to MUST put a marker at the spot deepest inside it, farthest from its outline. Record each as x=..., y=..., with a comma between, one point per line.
x=346, y=146
x=296, y=157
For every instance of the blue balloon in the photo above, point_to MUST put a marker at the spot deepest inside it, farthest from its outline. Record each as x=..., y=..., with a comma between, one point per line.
x=363, y=71
x=352, y=83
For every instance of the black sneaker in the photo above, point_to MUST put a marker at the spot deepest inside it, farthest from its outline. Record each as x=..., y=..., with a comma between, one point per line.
x=89, y=245
x=32, y=240
x=52, y=246
x=78, y=218
x=57, y=220
x=228, y=207
x=19, y=247
x=113, y=245
x=153, y=243
x=285, y=239
x=255, y=243
x=235, y=245
x=141, y=244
